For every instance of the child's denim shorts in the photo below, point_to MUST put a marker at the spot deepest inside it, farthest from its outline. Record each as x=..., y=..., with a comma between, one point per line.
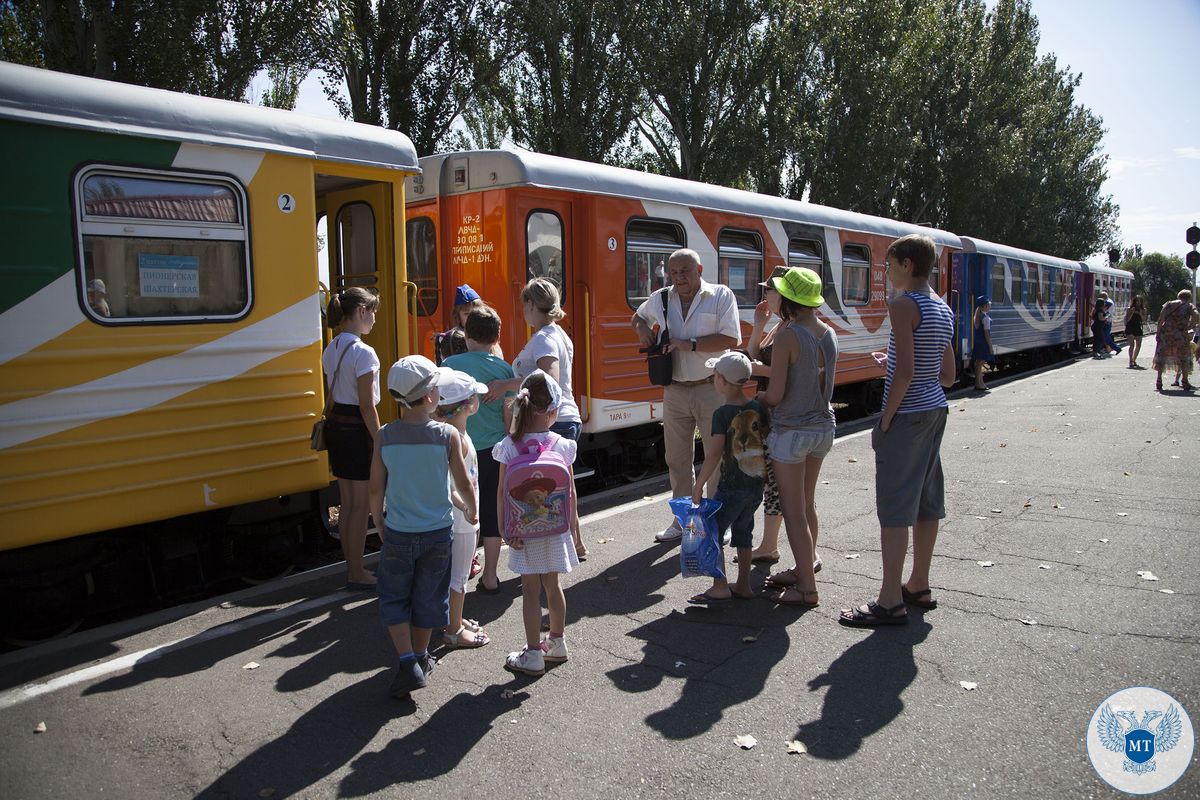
x=737, y=513
x=414, y=578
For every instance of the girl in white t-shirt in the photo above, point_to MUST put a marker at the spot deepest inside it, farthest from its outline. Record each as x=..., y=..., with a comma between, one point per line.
x=551, y=350
x=352, y=379
x=538, y=561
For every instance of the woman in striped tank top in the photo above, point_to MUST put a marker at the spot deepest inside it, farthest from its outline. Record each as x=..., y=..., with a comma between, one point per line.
x=908, y=437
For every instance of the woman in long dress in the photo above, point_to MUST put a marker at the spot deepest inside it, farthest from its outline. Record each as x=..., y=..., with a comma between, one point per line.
x=1173, y=348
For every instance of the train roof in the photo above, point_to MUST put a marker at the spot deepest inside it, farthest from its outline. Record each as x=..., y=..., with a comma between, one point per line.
x=491, y=169
x=1103, y=270
x=44, y=97
x=972, y=245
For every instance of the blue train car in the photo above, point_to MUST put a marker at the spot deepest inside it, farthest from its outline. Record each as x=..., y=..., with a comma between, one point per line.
x=1034, y=298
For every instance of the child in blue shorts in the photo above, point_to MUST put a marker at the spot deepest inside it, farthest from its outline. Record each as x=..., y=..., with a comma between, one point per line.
x=412, y=458
x=739, y=430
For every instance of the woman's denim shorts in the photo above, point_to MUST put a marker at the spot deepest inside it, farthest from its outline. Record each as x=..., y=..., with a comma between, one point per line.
x=794, y=446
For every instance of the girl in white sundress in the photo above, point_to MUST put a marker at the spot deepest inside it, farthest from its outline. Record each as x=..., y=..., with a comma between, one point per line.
x=538, y=561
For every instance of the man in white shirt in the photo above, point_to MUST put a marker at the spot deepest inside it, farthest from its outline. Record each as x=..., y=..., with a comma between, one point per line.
x=703, y=322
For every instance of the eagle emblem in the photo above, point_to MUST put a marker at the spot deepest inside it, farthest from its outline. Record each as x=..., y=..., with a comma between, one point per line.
x=1121, y=732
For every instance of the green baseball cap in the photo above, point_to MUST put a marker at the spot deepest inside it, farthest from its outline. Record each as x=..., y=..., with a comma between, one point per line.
x=800, y=285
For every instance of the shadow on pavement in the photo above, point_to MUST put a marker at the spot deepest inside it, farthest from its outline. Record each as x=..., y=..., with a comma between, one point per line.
x=865, y=684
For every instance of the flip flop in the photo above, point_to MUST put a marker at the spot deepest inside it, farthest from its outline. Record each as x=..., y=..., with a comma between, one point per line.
x=874, y=616
x=703, y=599
x=798, y=603
x=914, y=598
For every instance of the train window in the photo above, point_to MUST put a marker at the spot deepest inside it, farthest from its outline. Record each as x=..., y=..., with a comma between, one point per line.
x=161, y=246
x=356, y=244
x=856, y=275
x=1016, y=271
x=808, y=253
x=740, y=265
x=421, y=238
x=1047, y=282
x=544, y=248
x=1033, y=295
x=998, y=282
x=648, y=245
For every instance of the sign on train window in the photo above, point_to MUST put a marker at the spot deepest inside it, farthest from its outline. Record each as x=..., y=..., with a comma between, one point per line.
x=421, y=238
x=998, y=282
x=740, y=265
x=648, y=245
x=856, y=275
x=1017, y=273
x=544, y=248
x=161, y=246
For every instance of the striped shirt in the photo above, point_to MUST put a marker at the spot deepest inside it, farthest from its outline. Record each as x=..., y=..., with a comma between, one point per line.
x=931, y=337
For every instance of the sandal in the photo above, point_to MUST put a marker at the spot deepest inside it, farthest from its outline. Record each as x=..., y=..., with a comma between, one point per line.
x=915, y=598
x=761, y=558
x=803, y=602
x=873, y=615
x=787, y=577
x=455, y=641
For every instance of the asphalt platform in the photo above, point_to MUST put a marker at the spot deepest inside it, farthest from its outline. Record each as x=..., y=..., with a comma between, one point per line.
x=1069, y=482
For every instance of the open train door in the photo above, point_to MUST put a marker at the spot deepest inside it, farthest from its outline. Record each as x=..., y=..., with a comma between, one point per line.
x=361, y=252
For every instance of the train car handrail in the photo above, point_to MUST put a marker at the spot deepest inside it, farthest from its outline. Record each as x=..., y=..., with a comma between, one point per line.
x=411, y=290
x=587, y=348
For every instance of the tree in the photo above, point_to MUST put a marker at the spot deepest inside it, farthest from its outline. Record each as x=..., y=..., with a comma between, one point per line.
x=414, y=65
x=1157, y=278
x=699, y=64
x=571, y=92
x=207, y=47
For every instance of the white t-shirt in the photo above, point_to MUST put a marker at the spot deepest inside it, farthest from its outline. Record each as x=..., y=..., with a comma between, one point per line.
x=358, y=361
x=506, y=449
x=713, y=310
x=551, y=341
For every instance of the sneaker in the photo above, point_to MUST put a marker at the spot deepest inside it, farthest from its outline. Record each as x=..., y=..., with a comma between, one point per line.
x=556, y=649
x=409, y=677
x=427, y=663
x=672, y=533
x=527, y=662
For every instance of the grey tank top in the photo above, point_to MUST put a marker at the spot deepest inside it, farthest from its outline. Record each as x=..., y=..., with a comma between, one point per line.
x=809, y=388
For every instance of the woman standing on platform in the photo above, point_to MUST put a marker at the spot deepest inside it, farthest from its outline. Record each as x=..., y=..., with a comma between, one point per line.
x=981, y=348
x=1133, y=330
x=352, y=379
x=1173, y=347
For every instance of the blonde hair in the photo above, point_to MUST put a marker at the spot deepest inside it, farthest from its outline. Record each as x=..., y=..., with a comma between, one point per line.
x=545, y=298
x=534, y=397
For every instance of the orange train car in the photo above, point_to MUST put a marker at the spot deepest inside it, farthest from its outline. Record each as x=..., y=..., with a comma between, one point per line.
x=495, y=219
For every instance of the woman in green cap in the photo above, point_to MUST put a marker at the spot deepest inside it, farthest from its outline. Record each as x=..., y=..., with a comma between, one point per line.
x=803, y=365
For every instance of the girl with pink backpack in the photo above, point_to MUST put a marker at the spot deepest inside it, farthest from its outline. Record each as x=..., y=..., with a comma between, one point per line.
x=536, y=504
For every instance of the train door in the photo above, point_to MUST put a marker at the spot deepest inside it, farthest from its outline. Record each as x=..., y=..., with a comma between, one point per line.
x=361, y=252
x=431, y=314
x=545, y=243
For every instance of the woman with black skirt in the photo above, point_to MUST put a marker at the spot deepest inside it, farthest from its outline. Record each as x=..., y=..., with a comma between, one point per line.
x=352, y=378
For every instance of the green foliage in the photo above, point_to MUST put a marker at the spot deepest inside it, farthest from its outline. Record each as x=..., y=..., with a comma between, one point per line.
x=1157, y=278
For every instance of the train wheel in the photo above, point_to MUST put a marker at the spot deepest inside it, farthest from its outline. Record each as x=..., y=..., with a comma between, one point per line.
x=262, y=556
x=42, y=613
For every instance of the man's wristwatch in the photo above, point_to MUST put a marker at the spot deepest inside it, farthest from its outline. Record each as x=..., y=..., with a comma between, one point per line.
x=693, y=345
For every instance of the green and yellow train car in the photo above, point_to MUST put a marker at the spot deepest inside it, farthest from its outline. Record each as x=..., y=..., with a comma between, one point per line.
x=161, y=327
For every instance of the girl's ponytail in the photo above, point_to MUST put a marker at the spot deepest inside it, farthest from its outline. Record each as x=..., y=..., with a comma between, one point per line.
x=343, y=304
x=534, y=397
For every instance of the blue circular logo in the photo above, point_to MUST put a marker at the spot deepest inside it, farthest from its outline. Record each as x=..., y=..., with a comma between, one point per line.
x=1140, y=740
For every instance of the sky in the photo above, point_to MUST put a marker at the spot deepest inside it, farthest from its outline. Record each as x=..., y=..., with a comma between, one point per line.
x=1134, y=57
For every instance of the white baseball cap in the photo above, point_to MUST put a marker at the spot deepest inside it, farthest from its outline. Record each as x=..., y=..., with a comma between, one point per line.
x=732, y=366
x=459, y=388
x=413, y=377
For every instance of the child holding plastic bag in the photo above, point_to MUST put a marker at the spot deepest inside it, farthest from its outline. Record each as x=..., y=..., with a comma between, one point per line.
x=700, y=546
x=739, y=431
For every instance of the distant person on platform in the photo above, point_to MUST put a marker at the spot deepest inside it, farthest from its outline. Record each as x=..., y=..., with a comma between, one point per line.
x=702, y=318
x=1109, y=342
x=97, y=296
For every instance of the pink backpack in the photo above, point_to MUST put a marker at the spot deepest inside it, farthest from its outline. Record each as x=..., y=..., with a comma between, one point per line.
x=539, y=495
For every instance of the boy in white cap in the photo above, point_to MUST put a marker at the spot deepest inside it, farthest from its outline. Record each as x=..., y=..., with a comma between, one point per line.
x=459, y=400
x=739, y=430
x=412, y=458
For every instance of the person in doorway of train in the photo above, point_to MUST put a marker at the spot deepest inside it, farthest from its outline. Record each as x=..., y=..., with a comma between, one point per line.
x=413, y=457
x=1173, y=348
x=549, y=349
x=803, y=366
x=702, y=318
x=1135, y=316
x=460, y=397
x=1109, y=342
x=907, y=439
x=981, y=345
x=352, y=378
x=97, y=296
x=486, y=427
